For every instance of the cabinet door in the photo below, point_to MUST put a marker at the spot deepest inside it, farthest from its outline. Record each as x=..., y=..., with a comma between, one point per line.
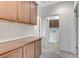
x=8, y=10
x=33, y=13
x=54, y=23
x=29, y=51
x=24, y=11
x=13, y=54
x=37, y=48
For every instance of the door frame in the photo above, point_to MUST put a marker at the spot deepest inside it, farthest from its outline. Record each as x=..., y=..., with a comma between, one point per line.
x=76, y=26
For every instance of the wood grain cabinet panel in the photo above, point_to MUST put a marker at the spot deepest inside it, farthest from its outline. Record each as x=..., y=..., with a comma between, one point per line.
x=29, y=51
x=33, y=15
x=54, y=23
x=13, y=54
x=37, y=48
x=21, y=11
x=24, y=11
x=8, y=10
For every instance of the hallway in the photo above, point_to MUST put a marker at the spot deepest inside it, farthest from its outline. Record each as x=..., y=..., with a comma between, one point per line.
x=57, y=25
x=53, y=51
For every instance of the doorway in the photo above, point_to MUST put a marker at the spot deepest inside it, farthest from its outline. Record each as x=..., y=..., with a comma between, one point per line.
x=53, y=28
x=50, y=33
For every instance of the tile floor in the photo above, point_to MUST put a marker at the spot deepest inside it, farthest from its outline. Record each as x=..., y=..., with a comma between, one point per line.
x=53, y=51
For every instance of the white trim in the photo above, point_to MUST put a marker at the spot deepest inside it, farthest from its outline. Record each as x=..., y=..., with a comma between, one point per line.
x=75, y=4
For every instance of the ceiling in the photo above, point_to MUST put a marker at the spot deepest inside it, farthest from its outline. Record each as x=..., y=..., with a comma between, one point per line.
x=46, y=3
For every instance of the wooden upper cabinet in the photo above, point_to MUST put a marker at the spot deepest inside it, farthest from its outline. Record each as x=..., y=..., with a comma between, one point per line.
x=33, y=15
x=8, y=10
x=54, y=23
x=24, y=11
x=21, y=11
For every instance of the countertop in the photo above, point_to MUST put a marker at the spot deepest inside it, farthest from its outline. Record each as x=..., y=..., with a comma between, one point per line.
x=14, y=44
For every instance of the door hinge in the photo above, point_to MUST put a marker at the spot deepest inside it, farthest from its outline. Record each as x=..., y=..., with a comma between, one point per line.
x=76, y=47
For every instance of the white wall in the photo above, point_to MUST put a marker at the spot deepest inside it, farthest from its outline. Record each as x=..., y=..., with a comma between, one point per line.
x=65, y=11
x=45, y=32
x=10, y=30
x=38, y=27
